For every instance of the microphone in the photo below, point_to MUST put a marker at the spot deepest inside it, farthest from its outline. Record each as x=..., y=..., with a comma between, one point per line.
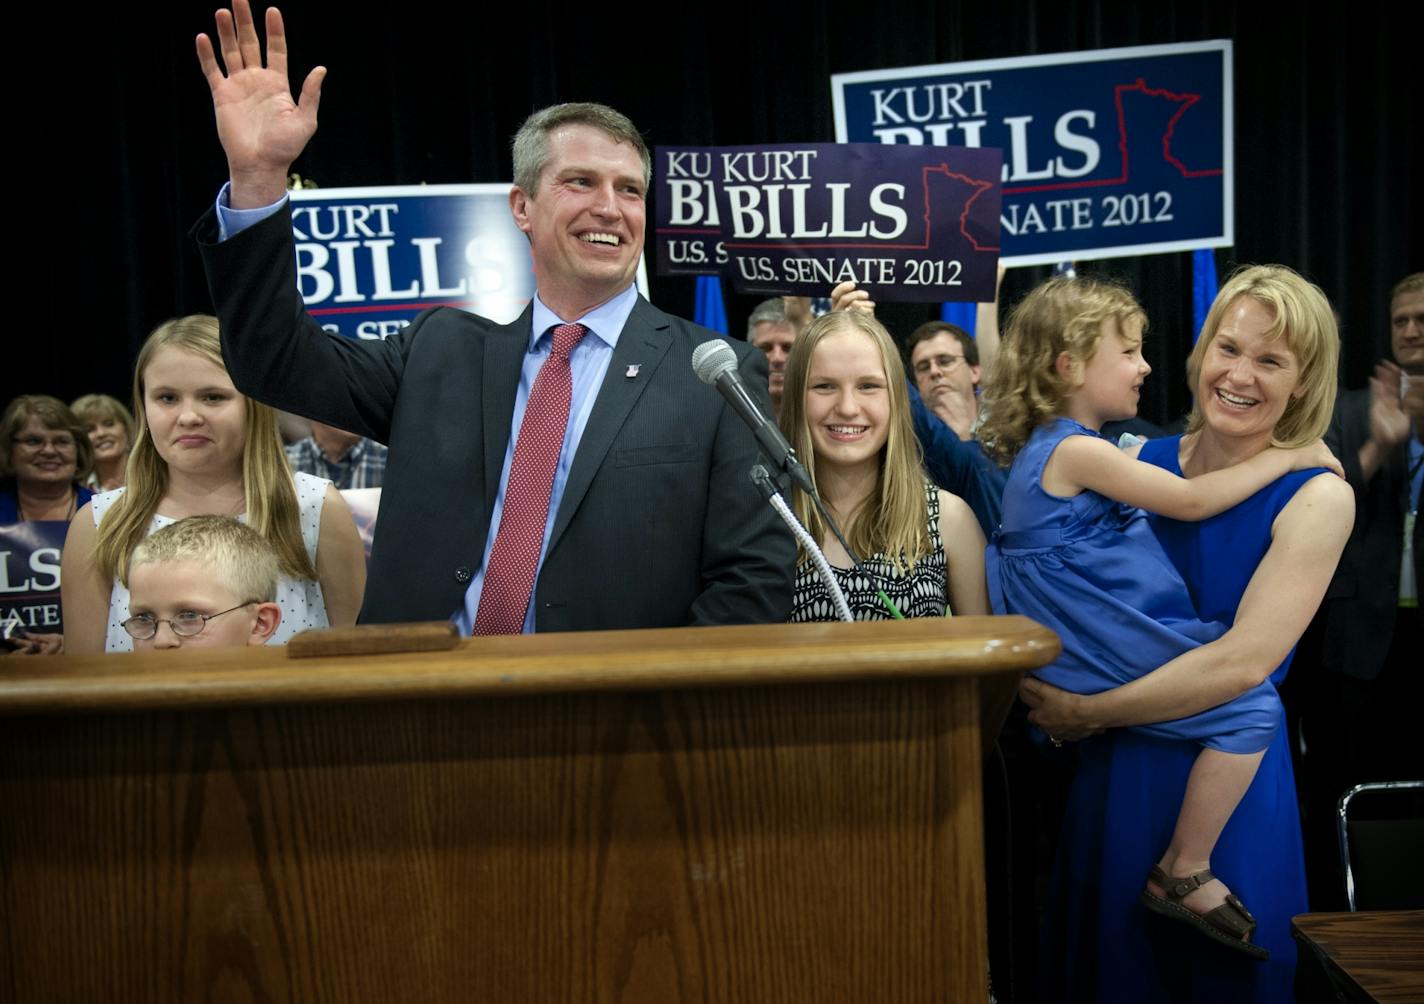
x=715, y=363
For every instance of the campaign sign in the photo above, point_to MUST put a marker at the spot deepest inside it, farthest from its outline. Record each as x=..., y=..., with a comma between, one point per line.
x=29, y=577
x=1106, y=153
x=906, y=223
x=370, y=259
x=688, y=231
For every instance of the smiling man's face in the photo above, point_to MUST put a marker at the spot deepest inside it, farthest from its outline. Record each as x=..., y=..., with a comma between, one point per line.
x=585, y=221
x=1406, y=320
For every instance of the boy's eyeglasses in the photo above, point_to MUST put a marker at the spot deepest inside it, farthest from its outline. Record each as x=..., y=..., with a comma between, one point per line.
x=187, y=624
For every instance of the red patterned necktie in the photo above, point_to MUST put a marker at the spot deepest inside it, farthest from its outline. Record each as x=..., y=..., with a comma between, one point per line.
x=509, y=579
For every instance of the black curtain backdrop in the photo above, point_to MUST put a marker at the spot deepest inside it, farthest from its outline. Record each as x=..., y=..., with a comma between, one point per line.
x=111, y=125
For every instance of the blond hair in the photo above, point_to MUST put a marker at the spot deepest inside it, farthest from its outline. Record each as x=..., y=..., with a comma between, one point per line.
x=268, y=489
x=92, y=408
x=1412, y=283
x=237, y=556
x=894, y=520
x=1303, y=316
x=1026, y=388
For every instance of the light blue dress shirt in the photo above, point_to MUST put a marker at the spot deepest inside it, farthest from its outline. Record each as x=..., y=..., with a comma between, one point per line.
x=588, y=363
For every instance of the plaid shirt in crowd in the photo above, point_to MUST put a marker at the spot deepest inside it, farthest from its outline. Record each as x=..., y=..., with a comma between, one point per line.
x=364, y=465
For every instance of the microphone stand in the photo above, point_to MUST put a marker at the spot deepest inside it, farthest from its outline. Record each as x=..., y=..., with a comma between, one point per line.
x=770, y=491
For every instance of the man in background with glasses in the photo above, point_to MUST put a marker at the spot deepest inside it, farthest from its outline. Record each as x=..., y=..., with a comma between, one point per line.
x=944, y=361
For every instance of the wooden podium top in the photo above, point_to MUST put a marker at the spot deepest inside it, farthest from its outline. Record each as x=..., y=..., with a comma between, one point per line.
x=530, y=664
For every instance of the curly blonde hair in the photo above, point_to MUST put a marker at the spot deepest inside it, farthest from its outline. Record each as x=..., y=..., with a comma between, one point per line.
x=894, y=521
x=1025, y=388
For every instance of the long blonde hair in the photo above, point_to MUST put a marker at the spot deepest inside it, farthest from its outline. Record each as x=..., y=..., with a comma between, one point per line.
x=894, y=520
x=1303, y=316
x=268, y=488
x=1025, y=388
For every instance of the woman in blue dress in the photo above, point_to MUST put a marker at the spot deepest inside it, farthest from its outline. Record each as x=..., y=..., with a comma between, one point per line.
x=1263, y=372
x=1075, y=553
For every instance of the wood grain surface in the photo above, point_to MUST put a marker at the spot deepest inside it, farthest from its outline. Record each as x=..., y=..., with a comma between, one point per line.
x=1381, y=953
x=771, y=841
x=575, y=661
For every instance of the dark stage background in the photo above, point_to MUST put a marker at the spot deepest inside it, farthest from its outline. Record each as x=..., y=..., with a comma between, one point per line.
x=118, y=126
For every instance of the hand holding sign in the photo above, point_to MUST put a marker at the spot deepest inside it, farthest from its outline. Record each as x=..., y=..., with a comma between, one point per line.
x=261, y=128
x=847, y=296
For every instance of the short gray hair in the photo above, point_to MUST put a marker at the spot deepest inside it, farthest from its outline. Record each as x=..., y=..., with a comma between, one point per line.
x=531, y=142
x=771, y=311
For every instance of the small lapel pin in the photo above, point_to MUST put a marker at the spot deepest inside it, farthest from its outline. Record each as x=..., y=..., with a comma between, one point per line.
x=633, y=369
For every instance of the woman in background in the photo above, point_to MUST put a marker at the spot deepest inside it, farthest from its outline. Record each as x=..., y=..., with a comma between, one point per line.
x=45, y=455
x=111, y=431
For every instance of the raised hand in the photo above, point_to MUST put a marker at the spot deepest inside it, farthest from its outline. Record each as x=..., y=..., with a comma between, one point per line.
x=956, y=410
x=262, y=130
x=798, y=311
x=847, y=297
x=1389, y=422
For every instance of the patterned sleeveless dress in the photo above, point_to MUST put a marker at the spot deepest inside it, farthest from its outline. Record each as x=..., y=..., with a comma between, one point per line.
x=918, y=593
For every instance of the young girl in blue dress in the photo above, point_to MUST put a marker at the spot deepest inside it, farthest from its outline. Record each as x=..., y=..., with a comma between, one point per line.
x=1075, y=553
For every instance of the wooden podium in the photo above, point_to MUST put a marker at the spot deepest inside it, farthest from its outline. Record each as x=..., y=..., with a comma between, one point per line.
x=757, y=814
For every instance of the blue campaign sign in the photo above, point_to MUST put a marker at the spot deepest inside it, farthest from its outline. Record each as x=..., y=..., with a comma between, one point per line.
x=370, y=259
x=1107, y=153
x=29, y=577
x=915, y=224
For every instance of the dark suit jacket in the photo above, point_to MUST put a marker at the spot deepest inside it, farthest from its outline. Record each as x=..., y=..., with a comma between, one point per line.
x=1361, y=601
x=659, y=524
x=960, y=467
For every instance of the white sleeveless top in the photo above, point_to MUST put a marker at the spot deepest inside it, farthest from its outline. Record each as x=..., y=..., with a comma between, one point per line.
x=301, y=600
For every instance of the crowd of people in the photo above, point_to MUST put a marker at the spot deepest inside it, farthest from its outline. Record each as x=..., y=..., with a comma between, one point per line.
x=569, y=472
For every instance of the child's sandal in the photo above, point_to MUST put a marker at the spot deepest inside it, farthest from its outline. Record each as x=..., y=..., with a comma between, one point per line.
x=1230, y=924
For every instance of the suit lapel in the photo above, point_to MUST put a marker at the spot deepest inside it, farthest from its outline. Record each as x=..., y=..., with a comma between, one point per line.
x=503, y=359
x=643, y=342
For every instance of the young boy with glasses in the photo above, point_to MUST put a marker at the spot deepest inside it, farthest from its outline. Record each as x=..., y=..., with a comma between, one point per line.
x=204, y=581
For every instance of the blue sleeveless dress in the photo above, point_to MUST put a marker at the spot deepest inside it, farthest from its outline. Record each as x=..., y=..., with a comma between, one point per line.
x=1090, y=568
x=1100, y=944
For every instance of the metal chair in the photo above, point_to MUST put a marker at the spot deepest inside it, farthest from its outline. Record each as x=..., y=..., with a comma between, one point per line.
x=1381, y=835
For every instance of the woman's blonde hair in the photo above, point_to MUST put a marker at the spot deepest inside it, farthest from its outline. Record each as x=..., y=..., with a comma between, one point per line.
x=271, y=494
x=1304, y=317
x=93, y=408
x=1025, y=388
x=894, y=520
